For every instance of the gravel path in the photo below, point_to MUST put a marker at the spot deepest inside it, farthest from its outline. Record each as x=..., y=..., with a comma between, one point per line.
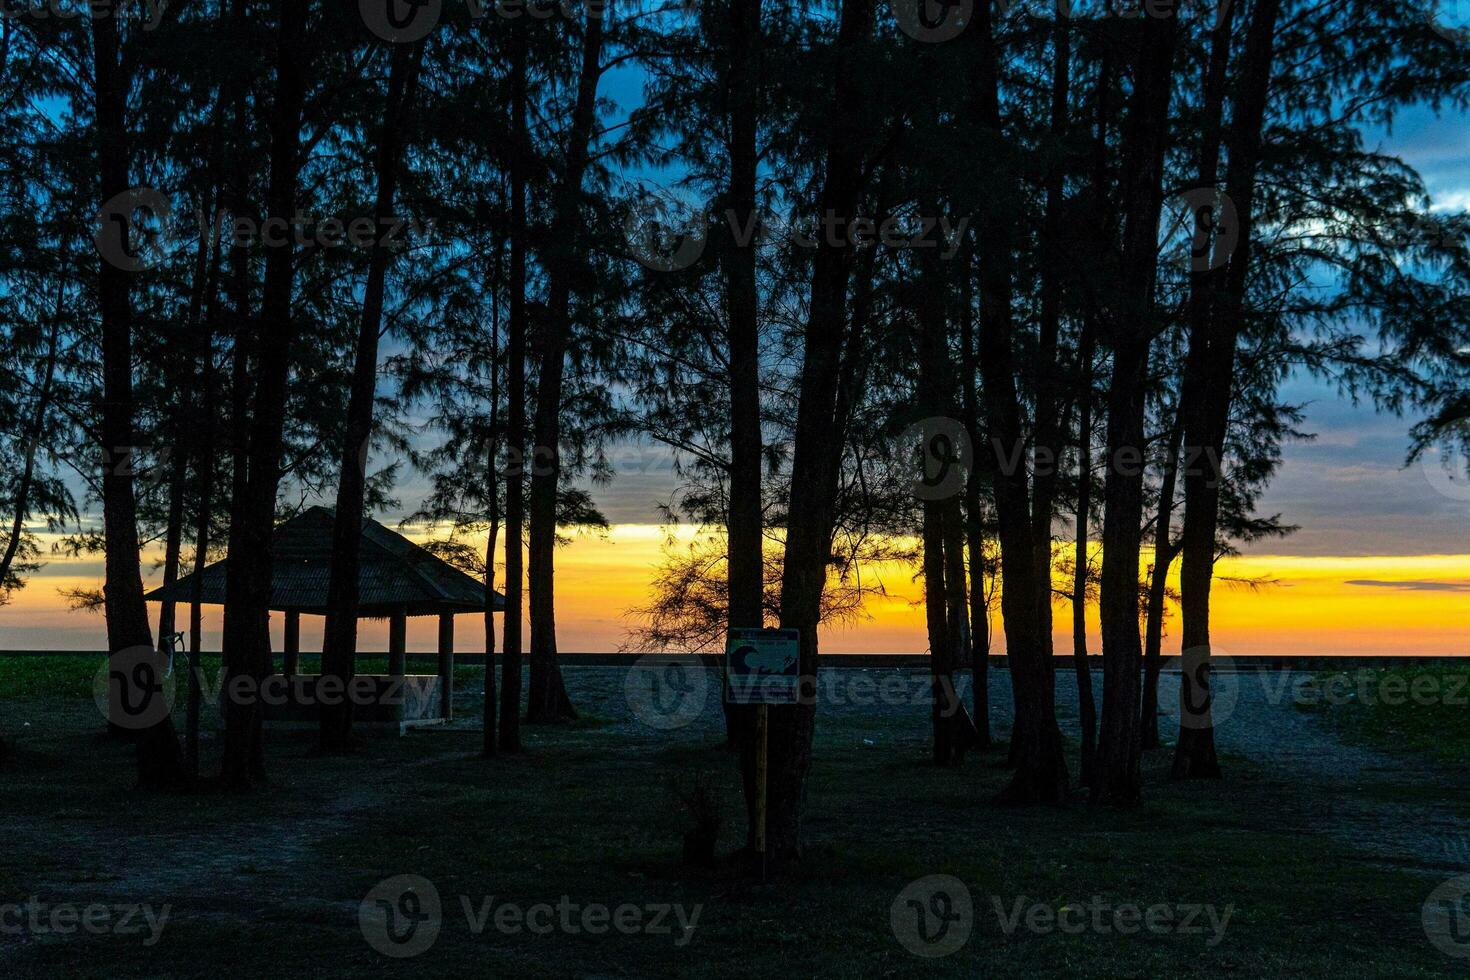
x=1397, y=810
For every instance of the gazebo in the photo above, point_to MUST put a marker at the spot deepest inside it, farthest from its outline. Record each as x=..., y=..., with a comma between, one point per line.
x=396, y=579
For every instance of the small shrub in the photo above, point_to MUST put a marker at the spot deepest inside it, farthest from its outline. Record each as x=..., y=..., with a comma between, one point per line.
x=701, y=803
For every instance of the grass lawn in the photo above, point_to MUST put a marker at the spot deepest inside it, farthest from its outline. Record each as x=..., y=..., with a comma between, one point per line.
x=1420, y=710
x=269, y=884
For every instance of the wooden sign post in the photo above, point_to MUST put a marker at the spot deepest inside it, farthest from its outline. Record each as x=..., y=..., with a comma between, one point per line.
x=762, y=668
x=761, y=755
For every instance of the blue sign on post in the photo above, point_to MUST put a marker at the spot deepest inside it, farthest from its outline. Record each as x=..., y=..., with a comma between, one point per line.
x=762, y=666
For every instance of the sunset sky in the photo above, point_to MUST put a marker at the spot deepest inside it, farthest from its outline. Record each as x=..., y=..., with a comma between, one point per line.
x=1381, y=564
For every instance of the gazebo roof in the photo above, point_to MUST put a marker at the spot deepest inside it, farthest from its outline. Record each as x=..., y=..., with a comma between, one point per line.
x=395, y=575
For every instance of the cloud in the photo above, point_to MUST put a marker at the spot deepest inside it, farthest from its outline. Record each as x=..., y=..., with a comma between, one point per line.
x=1411, y=585
x=1350, y=491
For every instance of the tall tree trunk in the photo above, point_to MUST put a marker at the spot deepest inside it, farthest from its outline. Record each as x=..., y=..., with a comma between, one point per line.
x=339, y=639
x=548, y=701
x=979, y=627
x=252, y=515
x=1087, y=352
x=1164, y=552
x=1130, y=333
x=242, y=361
x=492, y=490
x=185, y=438
x=954, y=731
x=1209, y=396
x=160, y=764
x=964, y=734
x=941, y=515
x=1050, y=413
x=1117, y=777
x=1036, y=749
x=228, y=100
x=515, y=409
x=745, y=568
x=1202, y=283
x=173, y=537
x=936, y=618
x=1086, y=701
x=817, y=446
x=204, y=465
x=974, y=527
x=241, y=386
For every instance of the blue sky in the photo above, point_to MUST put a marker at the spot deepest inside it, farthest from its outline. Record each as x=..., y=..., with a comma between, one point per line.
x=1348, y=488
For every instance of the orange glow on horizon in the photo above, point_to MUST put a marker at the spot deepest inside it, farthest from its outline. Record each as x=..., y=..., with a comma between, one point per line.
x=1412, y=604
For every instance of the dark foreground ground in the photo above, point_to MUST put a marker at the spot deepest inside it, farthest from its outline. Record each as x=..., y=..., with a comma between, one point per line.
x=1317, y=856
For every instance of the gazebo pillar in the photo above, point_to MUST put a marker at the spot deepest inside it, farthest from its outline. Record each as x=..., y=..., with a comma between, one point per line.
x=397, y=641
x=446, y=665
x=293, y=643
